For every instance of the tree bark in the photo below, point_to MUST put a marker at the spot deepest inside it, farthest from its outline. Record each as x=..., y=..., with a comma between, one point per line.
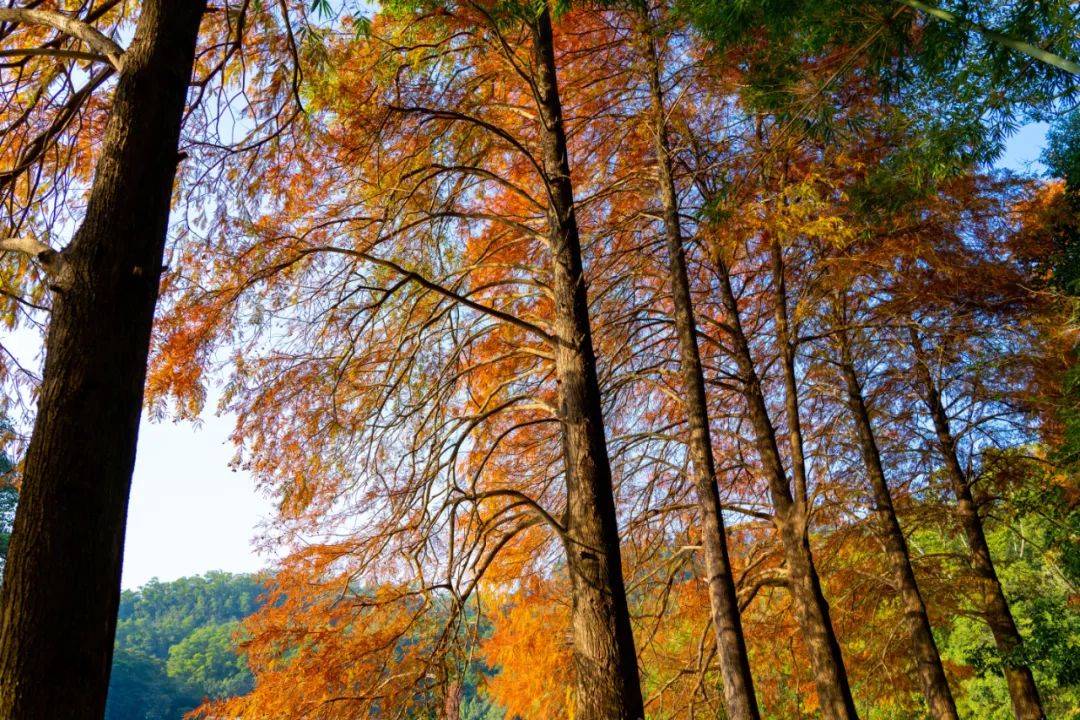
x=789, y=516
x=451, y=708
x=935, y=686
x=1022, y=690
x=607, y=686
x=62, y=587
x=738, y=685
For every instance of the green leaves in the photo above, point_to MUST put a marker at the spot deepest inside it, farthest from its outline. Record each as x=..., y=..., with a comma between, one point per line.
x=175, y=645
x=979, y=66
x=9, y=499
x=207, y=660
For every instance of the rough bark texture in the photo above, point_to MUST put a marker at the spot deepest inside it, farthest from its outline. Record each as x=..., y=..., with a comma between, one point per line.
x=738, y=685
x=1022, y=690
x=935, y=687
x=451, y=709
x=811, y=607
x=62, y=587
x=605, y=663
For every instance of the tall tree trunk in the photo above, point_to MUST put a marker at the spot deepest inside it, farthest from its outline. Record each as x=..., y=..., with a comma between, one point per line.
x=62, y=587
x=1022, y=690
x=829, y=671
x=935, y=687
x=607, y=686
x=811, y=607
x=738, y=684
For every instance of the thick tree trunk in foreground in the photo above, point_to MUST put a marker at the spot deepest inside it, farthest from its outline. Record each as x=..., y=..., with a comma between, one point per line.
x=738, y=685
x=935, y=687
x=605, y=663
x=1022, y=690
x=62, y=587
x=790, y=518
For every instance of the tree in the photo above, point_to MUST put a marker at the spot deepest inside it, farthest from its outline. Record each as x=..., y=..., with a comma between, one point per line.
x=177, y=644
x=442, y=390
x=740, y=701
x=1024, y=694
x=60, y=595
x=140, y=688
x=460, y=316
x=607, y=684
x=788, y=494
x=935, y=686
x=207, y=660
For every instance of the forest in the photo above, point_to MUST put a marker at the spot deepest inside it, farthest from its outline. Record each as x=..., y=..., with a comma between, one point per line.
x=603, y=360
x=176, y=646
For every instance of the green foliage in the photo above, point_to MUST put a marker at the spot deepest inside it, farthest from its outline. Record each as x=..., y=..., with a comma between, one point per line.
x=160, y=614
x=140, y=689
x=207, y=659
x=477, y=707
x=1062, y=153
x=1062, y=158
x=175, y=645
x=9, y=499
x=1035, y=540
x=929, y=69
x=1069, y=453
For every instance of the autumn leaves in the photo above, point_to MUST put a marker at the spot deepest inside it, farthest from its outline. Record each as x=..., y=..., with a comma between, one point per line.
x=572, y=362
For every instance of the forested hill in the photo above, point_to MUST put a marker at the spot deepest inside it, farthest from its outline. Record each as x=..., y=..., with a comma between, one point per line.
x=175, y=645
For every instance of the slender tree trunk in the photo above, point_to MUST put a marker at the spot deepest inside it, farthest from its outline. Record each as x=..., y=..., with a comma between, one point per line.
x=62, y=588
x=607, y=686
x=811, y=607
x=1022, y=690
x=738, y=684
x=791, y=387
x=935, y=687
x=827, y=659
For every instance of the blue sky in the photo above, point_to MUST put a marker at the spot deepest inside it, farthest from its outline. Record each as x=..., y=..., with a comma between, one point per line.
x=190, y=513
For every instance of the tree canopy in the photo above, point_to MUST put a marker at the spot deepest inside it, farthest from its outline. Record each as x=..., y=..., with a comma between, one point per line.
x=605, y=361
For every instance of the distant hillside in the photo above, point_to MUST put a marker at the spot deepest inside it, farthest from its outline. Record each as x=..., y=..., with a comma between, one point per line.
x=175, y=645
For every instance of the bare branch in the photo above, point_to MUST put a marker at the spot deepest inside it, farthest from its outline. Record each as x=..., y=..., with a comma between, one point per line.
x=70, y=26
x=51, y=260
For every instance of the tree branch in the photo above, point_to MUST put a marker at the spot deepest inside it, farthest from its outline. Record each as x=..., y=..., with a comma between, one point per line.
x=70, y=26
x=51, y=260
x=1032, y=51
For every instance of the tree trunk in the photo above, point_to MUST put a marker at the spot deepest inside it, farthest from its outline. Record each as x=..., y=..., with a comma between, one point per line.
x=828, y=661
x=935, y=687
x=811, y=607
x=738, y=685
x=605, y=663
x=451, y=709
x=1022, y=691
x=62, y=588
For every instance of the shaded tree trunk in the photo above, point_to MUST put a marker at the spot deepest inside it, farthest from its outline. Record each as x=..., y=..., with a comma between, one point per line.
x=62, y=587
x=811, y=607
x=1022, y=690
x=935, y=686
x=738, y=685
x=607, y=686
